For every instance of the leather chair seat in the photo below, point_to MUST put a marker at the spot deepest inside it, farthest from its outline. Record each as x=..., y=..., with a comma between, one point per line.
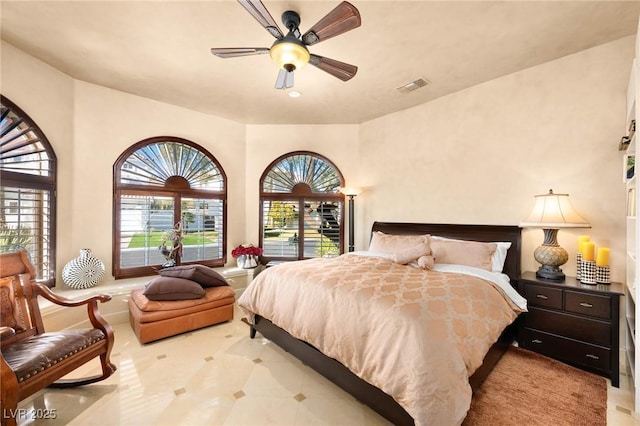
x=37, y=353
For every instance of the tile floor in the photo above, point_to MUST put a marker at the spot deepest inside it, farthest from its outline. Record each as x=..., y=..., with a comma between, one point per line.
x=218, y=376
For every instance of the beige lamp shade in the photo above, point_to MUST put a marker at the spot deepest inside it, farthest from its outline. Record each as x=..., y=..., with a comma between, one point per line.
x=553, y=211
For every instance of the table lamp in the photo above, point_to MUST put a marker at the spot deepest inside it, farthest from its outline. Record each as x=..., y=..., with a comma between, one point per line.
x=552, y=212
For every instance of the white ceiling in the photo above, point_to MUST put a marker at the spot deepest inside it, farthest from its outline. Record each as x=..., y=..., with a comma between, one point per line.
x=161, y=50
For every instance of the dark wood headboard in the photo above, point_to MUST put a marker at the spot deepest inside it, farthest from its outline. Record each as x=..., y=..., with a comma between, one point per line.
x=484, y=233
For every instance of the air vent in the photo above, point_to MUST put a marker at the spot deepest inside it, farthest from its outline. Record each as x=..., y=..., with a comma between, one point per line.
x=411, y=86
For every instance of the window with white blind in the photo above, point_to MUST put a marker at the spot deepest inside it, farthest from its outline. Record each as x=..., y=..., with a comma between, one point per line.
x=27, y=190
x=302, y=209
x=159, y=182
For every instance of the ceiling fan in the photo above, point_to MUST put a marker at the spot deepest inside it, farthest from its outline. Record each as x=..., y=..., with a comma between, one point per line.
x=290, y=52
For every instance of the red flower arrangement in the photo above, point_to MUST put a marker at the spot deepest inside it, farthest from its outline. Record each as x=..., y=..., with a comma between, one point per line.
x=246, y=249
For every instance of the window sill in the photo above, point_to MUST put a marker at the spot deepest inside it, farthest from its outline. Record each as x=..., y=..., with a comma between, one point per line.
x=116, y=311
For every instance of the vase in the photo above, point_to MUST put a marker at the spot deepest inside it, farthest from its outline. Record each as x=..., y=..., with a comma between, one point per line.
x=588, y=272
x=84, y=271
x=247, y=261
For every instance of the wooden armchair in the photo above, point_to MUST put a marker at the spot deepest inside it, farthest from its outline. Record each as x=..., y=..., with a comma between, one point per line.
x=32, y=359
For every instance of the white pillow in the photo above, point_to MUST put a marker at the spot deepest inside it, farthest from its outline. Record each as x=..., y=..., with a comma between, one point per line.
x=498, y=257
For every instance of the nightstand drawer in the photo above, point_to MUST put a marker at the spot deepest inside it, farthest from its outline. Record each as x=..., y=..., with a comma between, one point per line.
x=588, y=304
x=543, y=296
x=585, y=329
x=568, y=350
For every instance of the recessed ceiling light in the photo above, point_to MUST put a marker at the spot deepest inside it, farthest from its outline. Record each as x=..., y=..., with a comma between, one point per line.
x=294, y=94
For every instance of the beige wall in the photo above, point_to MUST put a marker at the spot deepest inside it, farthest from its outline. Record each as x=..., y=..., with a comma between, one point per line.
x=107, y=122
x=46, y=95
x=89, y=126
x=480, y=155
x=476, y=156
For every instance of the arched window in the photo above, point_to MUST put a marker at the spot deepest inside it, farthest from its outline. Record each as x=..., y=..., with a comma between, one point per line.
x=302, y=209
x=27, y=190
x=159, y=182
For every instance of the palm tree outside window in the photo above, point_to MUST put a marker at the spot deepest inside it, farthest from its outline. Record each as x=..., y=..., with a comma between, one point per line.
x=27, y=190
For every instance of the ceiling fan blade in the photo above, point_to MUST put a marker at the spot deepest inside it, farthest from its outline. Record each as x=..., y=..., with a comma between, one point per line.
x=262, y=15
x=343, y=18
x=234, y=52
x=337, y=69
x=284, y=79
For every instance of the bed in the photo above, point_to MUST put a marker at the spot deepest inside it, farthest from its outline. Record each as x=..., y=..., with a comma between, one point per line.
x=395, y=358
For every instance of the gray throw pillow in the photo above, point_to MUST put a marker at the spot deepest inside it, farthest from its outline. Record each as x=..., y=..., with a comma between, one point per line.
x=201, y=274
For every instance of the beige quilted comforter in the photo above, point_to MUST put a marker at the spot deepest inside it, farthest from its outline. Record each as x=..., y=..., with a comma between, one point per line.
x=417, y=335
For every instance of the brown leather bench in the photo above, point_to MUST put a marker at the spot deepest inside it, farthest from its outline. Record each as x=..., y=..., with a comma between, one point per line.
x=153, y=320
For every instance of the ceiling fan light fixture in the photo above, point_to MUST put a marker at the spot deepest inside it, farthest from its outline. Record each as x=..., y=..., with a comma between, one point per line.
x=289, y=53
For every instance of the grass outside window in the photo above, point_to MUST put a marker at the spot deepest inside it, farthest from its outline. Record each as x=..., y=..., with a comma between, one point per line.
x=155, y=239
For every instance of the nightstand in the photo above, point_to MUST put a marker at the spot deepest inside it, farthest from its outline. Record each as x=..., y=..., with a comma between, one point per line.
x=573, y=322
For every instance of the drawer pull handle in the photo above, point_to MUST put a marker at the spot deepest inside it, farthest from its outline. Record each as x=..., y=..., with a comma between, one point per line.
x=541, y=296
x=536, y=341
x=593, y=356
x=586, y=305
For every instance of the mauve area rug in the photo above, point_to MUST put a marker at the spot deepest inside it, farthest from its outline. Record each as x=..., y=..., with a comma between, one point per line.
x=526, y=388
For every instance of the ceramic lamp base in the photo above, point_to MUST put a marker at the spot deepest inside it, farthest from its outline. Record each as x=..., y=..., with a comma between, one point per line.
x=551, y=256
